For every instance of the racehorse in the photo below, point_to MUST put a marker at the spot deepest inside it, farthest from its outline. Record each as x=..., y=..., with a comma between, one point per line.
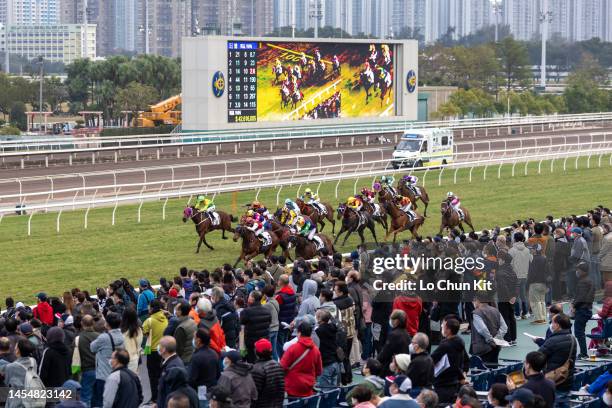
x=315, y=216
x=404, y=190
x=353, y=221
x=399, y=219
x=277, y=71
x=203, y=224
x=296, y=97
x=336, y=68
x=384, y=88
x=451, y=219
x=307, y=249
x=367, y=82
x=252, y=246
x=285, y=96
x=381, y=218
x=283, y=232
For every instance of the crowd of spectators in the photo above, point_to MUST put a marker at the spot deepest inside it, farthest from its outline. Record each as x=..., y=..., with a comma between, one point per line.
x=271, y=333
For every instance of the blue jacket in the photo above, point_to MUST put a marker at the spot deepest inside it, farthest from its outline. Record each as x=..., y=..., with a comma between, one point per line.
x=143, y=302
x=599, y=385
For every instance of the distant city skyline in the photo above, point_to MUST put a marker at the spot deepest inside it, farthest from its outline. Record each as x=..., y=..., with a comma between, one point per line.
x=121, y=25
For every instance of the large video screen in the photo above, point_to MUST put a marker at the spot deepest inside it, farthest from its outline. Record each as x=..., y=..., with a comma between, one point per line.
x=287, y=81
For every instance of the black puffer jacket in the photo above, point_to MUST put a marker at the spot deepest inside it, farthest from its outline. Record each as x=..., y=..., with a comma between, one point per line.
x=398, y=342
x=228, y=319
x=269, y=379
x=256, y=320
x=55, y=364
x=557, y=348
x=506, y=283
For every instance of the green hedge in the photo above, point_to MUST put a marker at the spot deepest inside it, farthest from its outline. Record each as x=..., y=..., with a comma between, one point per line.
x=136, y=131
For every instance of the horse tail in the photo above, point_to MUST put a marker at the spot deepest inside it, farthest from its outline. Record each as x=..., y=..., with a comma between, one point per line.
x=232, y=218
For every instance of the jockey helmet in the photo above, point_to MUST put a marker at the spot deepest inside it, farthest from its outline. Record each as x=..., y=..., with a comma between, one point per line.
x=288, y=201
x=376, y=186
x=308, y=191
x=301, y=221
x=249, y=220
x=255, y=204
x=450, y=194
x=407, y=178
x=201, y=198
x=250, y=213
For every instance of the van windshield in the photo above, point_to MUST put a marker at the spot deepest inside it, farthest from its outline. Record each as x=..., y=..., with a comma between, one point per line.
x=409, y=145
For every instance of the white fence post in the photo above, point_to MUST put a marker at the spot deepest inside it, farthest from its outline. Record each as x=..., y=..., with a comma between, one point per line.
x=86, y=217
x=164, y=209
x=499, y=170
x=455, y=176
x=30, y=223
x=440, y=175
x=57, y=221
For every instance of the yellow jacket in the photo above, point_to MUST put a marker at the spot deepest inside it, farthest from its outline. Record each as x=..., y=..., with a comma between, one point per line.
x=154, y=326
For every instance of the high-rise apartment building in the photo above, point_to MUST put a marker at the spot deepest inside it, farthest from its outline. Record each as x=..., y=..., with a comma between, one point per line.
x=29, y=12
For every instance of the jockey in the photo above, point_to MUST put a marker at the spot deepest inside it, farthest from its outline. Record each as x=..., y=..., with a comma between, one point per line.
x=313, y=199
x=386, y=56
x=454, y=202
x=297, y=72
x=385, y=76
x=292, y=206
x=259, y=208
x=369, y=197
x=336, y=61
x=411, y=183
x=368, y=72
x=317, y=56
x=257, y=227
x=307, y=229
x=278, y=66
x=303, y=59
x=373, y=54
x=207, y=206
x=406, y=206
x=354, y=203
x=386, y=182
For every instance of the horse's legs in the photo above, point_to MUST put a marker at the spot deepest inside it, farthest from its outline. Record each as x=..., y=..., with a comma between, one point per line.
x=339, y=233
x=206, y=243
x=426, y=205
x=461, y=227
x=372, y=229
x=223, y=233
x=360, y=232
x=239, y=258
x=348, y=232
x=322, y=224
x=470, y=224
x=199, y=245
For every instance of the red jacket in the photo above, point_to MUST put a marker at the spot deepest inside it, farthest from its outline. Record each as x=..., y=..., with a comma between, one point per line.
x=217, y=338
x=300, y=380
x=412, y=306
x=44, y=313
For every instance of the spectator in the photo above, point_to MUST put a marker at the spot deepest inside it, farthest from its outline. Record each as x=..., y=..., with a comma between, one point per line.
x=452, y=350
x=11, y=332
x=43, y=310
x=273, y=307
x=328, y=346
x=553, y=310
x=560, y=263
x=302, y=364
x=66, y=323
x=6, y=357
x=372, y=378
x=184, y=332
x=103, y=347
x=598, y=387
x=497, y=396
x=421, y=367
x=87, y=359
x=177, y=379
x=508, y=288
x=400, y=398
x=412, y=305
x=346, y=313
x=132, y=337
x=145, y=297
x=560, y=350
x=607, y=396
x=488, y=326
x=536, y=382
x=122, y=388
x=15, y=372
x=186, y=283
x=597, y=239
x=268, y=376
x=226, y=313
x=209, y=321
x=287, y=303
x=536, y=281
x=398, y=340
x=204, y=370
x=75, y=397
x=427, y=399
x=605, y=253
x=578, y=254
x=274, y=268
x=154, y=328
x=220, y=398
x=521, y=257
x=55, y=362
x=326, y=299
x=524, y=398
x=256, y=320
x=170, y=378
x=310, y=302
x=360, y=397
x=180, y=400
x=237, y=381
x=583, y=305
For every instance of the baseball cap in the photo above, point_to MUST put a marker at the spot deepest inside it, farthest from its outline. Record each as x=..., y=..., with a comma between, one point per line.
x=403, y=383
x=41, y=296
x=523, y=395
x=173, y=293
x=233, y=355
x=19, y=305
x=263, y=345
x=71, y=385
x=143, y=283
x=576, y=230
x=220, y=394
x=26, y=328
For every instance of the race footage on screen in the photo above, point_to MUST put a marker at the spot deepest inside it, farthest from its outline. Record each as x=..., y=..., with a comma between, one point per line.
x=305, y=81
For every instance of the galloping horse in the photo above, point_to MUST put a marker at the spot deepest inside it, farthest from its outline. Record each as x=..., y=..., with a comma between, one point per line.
x=203, y=224
x=353, y=221
x=252, y=246
x=451, y=219
x=404, y=190
x=399, y=219
x=283, y=233
x=315, y=216
x=381, y=218
x=307, y=249
x=367, y=82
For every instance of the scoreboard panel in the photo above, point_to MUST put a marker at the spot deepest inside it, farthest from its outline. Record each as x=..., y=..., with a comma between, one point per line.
x=242, y=81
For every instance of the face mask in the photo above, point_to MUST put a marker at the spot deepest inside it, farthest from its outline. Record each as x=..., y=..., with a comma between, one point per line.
x=159, y=349
x=550, y=326
x=110, y=362
x=411, y=349
x=193, y=343
x=390, y=323
x=607, y=398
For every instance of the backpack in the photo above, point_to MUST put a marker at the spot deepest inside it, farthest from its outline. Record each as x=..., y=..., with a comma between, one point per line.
x=32, y=381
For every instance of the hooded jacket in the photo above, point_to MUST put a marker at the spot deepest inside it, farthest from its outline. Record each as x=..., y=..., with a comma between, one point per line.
x=256, y=320
x=520, y=259
x=228, y=318
x=55, y=364
x=210, y=322
x=412, y=306
x=301, y=378
x=44, y=312
x=506, y=283
x=237, y=380
x=176, y=380
x=310, y=303
x=287, y=302
x=154, y=326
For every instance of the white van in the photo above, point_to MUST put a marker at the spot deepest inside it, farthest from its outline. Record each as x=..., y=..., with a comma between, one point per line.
x=423, y=148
